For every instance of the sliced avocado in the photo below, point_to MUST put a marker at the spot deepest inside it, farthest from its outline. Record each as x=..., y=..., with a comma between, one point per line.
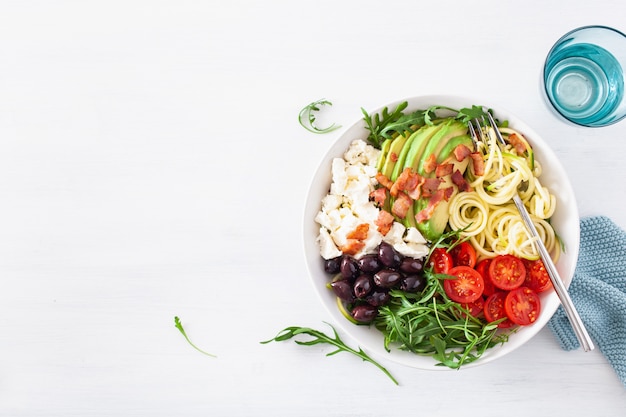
x=419, y=143
x=450, y=129
x=434, y=227
x=394, y=149
x=448, y=150
x=384, y=150
x=399, y=166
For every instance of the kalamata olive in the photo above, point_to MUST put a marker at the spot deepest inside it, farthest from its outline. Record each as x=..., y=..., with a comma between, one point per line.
x=387, y=278
x=369, y=263
x=364, y=313
x=412, y=266
x=413, y=283
x=378, y=297
x=331, y=266
x=363, y=285
x=349, y=267
x=388, y=255
x=343, y=289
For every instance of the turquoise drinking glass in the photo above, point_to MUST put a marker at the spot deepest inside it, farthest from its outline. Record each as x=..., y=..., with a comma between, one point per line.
x=584, y=76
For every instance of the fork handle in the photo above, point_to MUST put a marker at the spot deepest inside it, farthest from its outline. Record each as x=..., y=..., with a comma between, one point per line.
x=559, y=287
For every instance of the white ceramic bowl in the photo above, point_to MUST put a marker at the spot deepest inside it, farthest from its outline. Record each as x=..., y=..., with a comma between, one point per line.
x=565, y=222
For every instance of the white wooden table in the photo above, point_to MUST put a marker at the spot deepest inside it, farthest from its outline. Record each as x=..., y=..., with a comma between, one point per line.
x=152, y=166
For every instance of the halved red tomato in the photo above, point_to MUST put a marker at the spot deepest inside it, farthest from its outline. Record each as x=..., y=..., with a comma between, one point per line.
x=522, y=306
x=494, y=309
x=483, y=269
x=537, y=278
x=475, y=308
x=464, y=254
x=507, y=272
x=466, y=286
x=440, y=260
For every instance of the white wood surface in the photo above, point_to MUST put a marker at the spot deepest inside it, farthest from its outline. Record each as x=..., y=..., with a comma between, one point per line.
x=151, y=165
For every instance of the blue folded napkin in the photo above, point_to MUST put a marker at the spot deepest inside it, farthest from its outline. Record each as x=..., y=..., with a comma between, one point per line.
x=598, y=291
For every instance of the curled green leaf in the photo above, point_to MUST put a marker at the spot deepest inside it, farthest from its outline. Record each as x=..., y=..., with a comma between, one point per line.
x=306, y=118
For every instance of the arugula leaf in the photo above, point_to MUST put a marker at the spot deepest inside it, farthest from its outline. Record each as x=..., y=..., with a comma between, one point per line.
x=377, y=122
x=179, y=326
x=306, y=117
x=320, y=337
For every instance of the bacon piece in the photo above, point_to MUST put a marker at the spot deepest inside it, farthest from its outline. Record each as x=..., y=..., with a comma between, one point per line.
x=379, y=196
x=518, y=144
x=430, y=186
x=384, y=222
x=360, y=233
x=416, y=192
x=352, y=246
x=384, y=181
x=459, y=180
x=478, y=163
x=461, y=152
x=430, y=163
x=427, y=212
x=443, y=169
x=401, y=205
x=406, y=181
x=393, y=156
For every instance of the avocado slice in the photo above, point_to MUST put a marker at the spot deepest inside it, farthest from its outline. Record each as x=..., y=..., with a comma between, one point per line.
x=390, y=161
x=419, y=143
x=399, y=165
x=434, y=227
x=450, y=129
x=449, y=148
x=384, y=150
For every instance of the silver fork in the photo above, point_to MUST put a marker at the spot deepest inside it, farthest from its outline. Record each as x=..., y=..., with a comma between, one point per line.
x=560, y=289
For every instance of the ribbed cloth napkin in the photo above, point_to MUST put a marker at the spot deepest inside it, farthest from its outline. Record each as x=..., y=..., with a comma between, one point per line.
x=598, y=291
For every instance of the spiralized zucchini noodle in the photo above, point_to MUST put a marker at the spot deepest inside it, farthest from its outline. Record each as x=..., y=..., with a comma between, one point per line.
x=489, y=218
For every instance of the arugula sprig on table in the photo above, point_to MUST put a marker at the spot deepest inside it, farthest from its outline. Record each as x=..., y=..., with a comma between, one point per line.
x=307, y=118
x=179, y=326
x=319, y=337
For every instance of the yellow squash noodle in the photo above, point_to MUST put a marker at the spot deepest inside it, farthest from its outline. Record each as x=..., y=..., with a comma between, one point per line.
x=487, y=215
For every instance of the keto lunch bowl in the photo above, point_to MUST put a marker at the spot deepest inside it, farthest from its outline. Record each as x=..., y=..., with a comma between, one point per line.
x=565, y=221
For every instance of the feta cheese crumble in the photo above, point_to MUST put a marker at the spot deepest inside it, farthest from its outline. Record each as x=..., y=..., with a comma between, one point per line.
x=348, y=205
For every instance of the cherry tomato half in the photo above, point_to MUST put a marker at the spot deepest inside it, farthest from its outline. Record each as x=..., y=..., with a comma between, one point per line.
x=441, y=261
x=466, y=286
x=464, y=254
x=537, y=278
x=507, y=272
x=522, y=306
x=475, y=308
x=494, y=309
x=483, y=269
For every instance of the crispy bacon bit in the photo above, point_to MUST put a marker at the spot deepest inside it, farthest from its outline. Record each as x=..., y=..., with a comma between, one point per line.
x=430, y=163
x=429, y=186
x=384, y=222
x=427, y=212
x=461, y=152
x=443, y=169
x=384, y=181
x=393, y=156
x=518, y=143
x=379, y=196
x=352, y=247
x=478, y=163
x=401, y=205
x=360, y=233
x=416, y=192
x=406, y=181
x=459, y=180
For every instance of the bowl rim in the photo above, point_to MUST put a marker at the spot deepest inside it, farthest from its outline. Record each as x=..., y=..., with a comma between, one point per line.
x=370, y=339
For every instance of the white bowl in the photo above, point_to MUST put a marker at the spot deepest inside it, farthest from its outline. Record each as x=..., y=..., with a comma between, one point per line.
x=565, y=221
